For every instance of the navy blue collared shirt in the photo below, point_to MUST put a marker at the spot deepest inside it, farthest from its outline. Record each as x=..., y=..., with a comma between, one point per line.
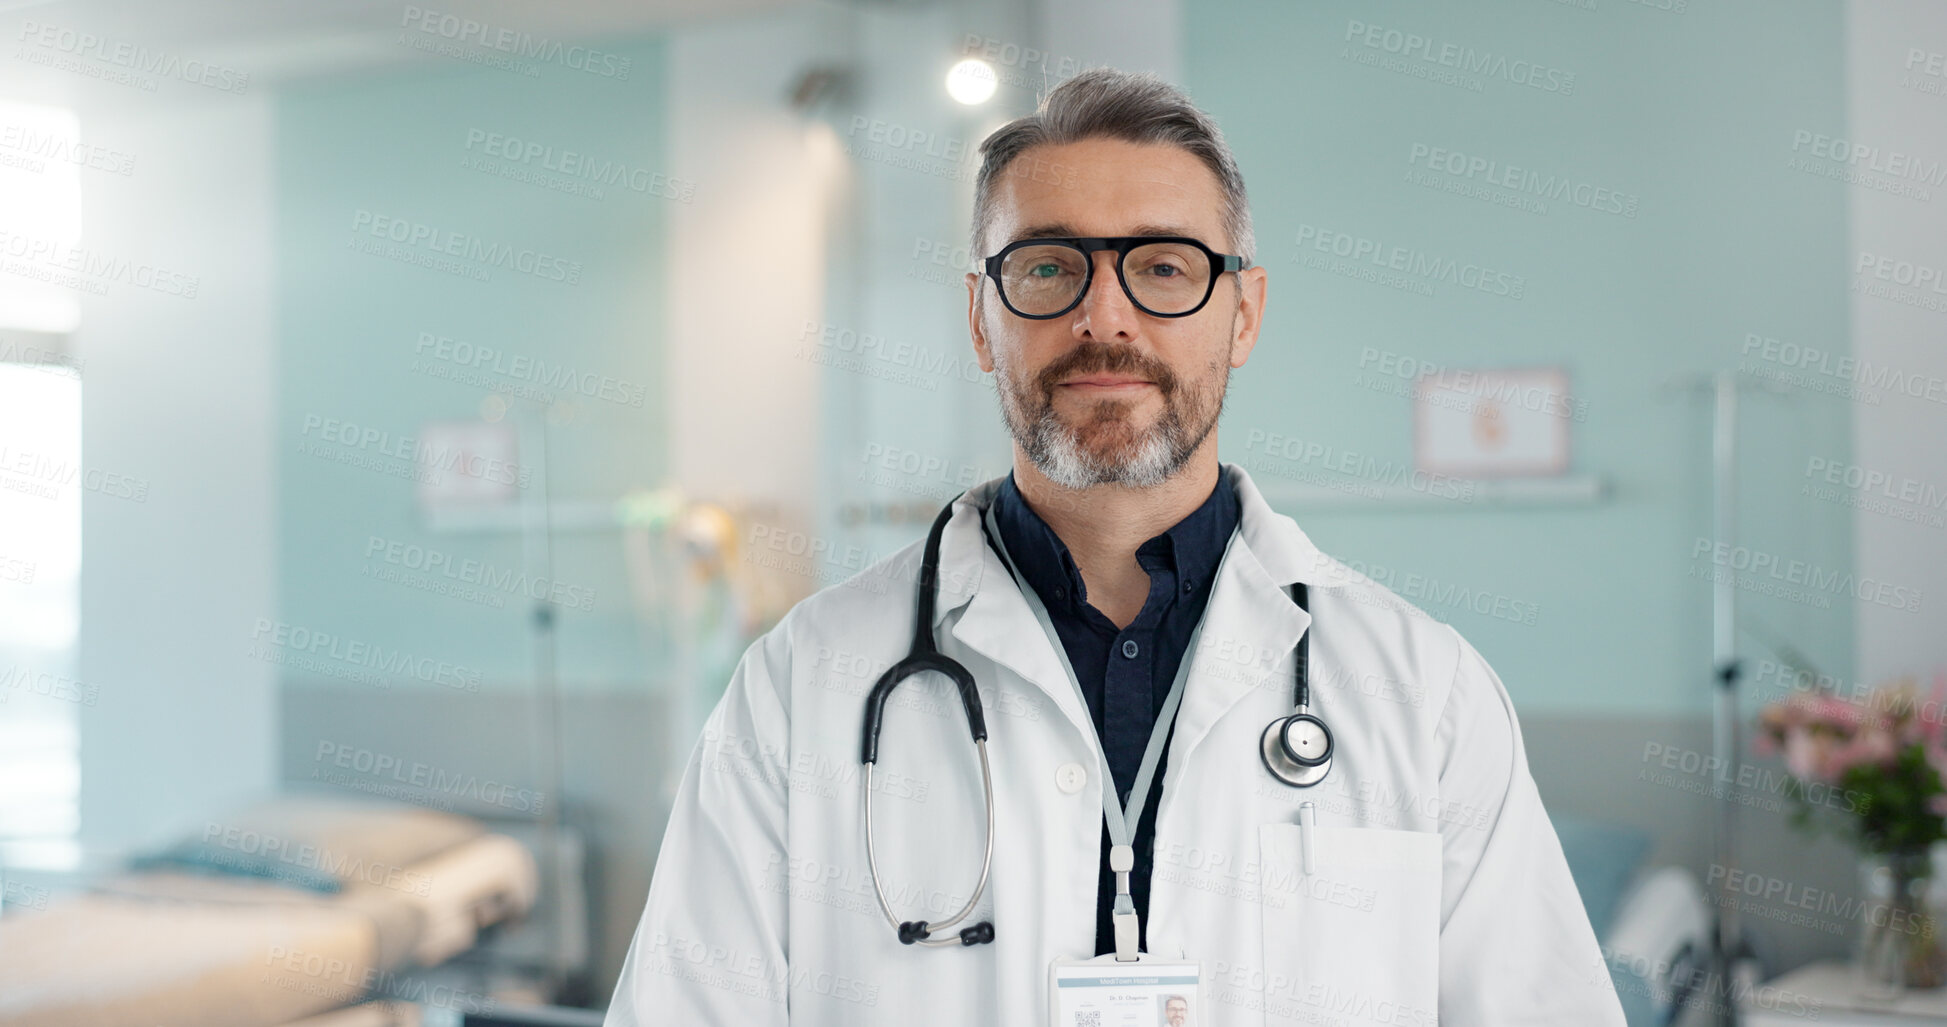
x=1125, y=673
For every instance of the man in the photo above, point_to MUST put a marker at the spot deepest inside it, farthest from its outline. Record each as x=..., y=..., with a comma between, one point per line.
x=1176, y=1011
x=1419, y=880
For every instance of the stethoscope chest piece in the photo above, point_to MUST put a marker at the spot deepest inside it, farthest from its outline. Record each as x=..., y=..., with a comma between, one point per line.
x=1298, y=749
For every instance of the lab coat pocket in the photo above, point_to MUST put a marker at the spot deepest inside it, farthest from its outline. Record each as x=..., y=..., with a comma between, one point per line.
x=1356, y=940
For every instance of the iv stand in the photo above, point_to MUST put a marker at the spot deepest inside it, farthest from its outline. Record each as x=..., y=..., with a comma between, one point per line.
x=1731, y=957
x=537, y=533
x=1728, y=950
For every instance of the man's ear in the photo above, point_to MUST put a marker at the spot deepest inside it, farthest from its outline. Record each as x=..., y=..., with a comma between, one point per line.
x=982, y=349
x=1251, y=288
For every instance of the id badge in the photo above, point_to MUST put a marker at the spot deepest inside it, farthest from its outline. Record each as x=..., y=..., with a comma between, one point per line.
x=1147, y=992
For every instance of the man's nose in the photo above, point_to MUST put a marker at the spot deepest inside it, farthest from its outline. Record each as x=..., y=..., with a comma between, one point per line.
x=1106, y=310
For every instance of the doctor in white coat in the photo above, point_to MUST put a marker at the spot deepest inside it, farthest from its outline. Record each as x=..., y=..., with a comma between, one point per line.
x=1437, y=890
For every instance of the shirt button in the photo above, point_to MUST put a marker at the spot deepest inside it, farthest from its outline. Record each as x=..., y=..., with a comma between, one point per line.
x=1129, y=648
x=1061, y=593
x=1070, y=777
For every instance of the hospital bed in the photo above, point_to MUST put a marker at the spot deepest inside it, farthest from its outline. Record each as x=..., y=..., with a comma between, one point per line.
x=290, y=909
x=1653, y=924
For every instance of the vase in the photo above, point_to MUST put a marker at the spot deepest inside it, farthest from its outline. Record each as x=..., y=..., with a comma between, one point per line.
x=1900, y=946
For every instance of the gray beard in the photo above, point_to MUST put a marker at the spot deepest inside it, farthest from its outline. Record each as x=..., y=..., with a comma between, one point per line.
x=1057, y=451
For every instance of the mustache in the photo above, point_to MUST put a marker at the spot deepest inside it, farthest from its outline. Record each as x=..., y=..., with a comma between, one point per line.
x=1091, y=357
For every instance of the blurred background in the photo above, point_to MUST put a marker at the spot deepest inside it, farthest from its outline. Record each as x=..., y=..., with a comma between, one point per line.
x=409, y=414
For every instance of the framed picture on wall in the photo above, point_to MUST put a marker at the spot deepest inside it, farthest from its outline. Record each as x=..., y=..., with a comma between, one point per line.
x=461, y=463
x=1493, y=423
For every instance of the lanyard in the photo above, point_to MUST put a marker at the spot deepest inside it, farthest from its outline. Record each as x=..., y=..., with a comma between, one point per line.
x=1121, y=823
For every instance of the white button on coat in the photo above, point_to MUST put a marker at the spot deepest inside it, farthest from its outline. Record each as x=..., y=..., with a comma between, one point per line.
x=1070, y=777
x=1439, y=891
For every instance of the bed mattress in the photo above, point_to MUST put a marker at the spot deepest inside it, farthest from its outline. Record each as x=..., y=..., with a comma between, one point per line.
x=164, y=947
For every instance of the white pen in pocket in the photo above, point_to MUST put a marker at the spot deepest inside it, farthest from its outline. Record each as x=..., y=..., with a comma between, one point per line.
x=1307, y=835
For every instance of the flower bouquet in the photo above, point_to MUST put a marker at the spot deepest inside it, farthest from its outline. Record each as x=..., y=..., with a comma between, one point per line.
x=1883, y=755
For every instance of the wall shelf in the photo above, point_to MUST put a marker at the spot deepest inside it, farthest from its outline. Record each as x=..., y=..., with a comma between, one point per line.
x=563, y=516
x=1452, y=496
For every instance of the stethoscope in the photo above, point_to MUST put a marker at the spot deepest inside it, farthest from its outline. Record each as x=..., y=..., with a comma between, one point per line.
x=1297, y=748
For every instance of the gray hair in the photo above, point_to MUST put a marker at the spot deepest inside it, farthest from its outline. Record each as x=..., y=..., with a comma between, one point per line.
x=1137, y=108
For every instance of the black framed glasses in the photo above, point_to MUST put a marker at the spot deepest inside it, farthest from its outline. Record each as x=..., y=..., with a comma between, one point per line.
x=1163, y=275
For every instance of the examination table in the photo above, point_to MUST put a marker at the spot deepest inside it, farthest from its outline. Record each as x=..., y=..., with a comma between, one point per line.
x=297, y=906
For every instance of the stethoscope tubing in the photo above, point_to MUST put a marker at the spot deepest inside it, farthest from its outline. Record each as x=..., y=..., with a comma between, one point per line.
x=924, y=656
x=986, y=860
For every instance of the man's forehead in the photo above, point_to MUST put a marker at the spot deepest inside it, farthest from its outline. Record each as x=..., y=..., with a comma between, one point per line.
x=1043, y=229
x=1100, y=187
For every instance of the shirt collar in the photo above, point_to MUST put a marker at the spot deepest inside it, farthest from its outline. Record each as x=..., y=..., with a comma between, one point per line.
x=1270, y=544
x=1195, y=544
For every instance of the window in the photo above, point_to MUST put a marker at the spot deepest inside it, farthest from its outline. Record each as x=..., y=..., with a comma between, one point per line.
x=40, y=489
x=40, y=566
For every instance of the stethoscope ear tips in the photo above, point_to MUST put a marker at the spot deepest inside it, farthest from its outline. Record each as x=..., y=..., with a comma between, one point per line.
x=914, y=931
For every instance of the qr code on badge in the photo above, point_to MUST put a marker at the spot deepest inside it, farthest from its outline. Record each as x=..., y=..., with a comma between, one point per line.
x=1089, y=1018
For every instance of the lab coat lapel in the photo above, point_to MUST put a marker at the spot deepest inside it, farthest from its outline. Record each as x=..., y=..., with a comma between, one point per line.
x=1250, y=625
x=998, y=623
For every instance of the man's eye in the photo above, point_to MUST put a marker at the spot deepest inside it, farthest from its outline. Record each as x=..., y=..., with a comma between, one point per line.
x=1045, y=270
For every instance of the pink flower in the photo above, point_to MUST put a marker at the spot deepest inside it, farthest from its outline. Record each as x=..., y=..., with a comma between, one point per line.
x=1874, y=745
x=1933, y=712
x=1808, y=754
x=1823, y=736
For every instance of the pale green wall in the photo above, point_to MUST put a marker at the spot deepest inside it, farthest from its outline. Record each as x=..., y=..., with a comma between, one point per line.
x=1693, y=113
x=349, y=321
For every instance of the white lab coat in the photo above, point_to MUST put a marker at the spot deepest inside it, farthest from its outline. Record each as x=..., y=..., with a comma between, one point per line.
x=1439, y=890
